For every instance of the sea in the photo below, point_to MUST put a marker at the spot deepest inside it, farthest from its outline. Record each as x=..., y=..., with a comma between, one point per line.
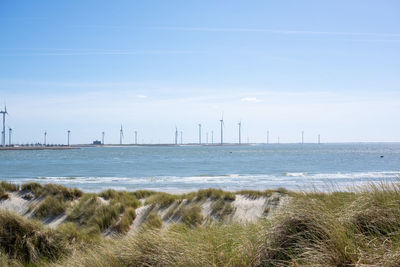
x=185, y=168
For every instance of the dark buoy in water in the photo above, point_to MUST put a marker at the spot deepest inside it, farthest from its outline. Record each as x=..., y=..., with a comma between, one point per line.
x=230, y=152
x=382, y=157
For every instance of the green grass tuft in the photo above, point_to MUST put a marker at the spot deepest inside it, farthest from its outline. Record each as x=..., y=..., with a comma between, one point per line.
x=215, y=194
x=126, y=220
x=190, y=215
x=51, y=207
x=153, y=221
x=67, y=194
x=162, y=199
x=142, y=194
x=28, y=241
x=9, y=186
x=127, y=199
x=221, y=208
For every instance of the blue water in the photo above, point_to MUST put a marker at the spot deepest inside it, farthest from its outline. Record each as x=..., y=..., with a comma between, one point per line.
x=184, y=168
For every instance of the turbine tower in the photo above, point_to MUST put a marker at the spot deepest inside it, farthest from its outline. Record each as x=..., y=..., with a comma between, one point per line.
x=268, y=137
x=102, y=137
x=69, y=133
x=240, y=132
x=302, y=137
x=45, y=138
x=222, y=130
x=181, y=138
x=135, y=137
x=121, y=135
x=176, y=135
x=3, y=137
x=212, y=137
x=199, y=133
x=207, y=138
x=319, y=139
x=9, y=136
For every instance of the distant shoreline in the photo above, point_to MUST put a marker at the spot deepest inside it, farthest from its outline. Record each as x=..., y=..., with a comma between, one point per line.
x=39, y=148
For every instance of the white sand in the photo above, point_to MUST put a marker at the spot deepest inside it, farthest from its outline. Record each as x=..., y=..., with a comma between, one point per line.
x=16, y=204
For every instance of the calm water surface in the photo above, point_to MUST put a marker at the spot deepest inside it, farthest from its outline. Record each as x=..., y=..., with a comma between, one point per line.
x=293, y=166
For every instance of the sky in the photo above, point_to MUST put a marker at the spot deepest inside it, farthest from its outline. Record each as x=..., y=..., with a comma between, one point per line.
x=323, y=67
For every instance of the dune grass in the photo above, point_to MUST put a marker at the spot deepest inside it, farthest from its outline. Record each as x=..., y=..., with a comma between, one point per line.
x=190, y=215
x=153, y=221
x=125, y=223
x=6, y=187
x=50, y=207
x=91, y=213
x=28, y=241
x=254, y=194
x=220, y=209
x=181, y=245
x=162, y=199
x=314, y=229
x=359, y=228
x=142, y=194
x=9, y=186
x=68, y=194
x=215, y=194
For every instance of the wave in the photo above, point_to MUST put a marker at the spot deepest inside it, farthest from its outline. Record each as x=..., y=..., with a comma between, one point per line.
x=243, y=179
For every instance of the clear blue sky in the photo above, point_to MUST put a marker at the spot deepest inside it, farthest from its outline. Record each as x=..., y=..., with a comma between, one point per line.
x=328, y=67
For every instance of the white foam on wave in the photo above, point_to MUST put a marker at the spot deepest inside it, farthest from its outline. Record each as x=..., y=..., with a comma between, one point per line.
x=294, y=181
x=296, y=174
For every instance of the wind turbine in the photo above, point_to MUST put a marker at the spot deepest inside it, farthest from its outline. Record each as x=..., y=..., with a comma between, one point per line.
x=212, y=137
x=9, y=135
x=121, y=135
x=199, y=133
x=181, y=138
x=268, y=137
x=176, y=135
x=4, y=113
x=135, y=137
x=302, y=137
x=240, y=132
x=222, y=130
x=69, y=133
x=319, y=139
x=45, y=138
x=102, y=137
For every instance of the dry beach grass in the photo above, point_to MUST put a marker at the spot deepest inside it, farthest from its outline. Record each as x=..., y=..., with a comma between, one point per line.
x=359, y=228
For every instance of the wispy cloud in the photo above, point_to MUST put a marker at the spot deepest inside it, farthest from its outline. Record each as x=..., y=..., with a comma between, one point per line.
x=86, y=52
x=276, y=31
x=250, y=99
x=141, y=96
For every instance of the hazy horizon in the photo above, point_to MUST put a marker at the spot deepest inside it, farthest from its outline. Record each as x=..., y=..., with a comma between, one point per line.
x=329, y=68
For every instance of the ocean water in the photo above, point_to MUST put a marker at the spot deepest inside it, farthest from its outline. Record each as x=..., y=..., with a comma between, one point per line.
x=186, y=168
